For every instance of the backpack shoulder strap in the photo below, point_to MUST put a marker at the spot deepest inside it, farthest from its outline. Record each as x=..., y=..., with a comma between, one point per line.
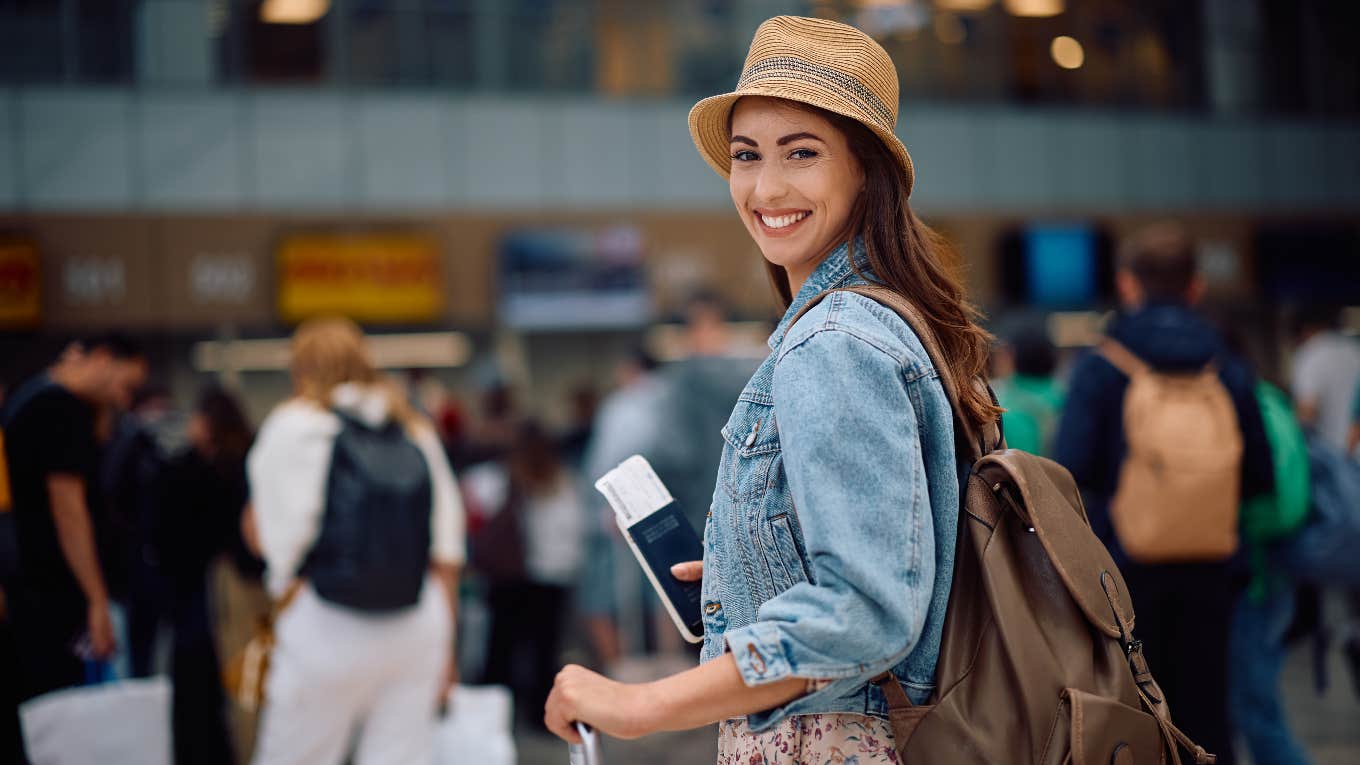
x=976, y=444
x=972, y=445
x=1122, y=358
x=1128, y=363
x=349, y=420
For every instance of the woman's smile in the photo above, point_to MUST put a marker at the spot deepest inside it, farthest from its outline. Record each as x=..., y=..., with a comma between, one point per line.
x=781, y=222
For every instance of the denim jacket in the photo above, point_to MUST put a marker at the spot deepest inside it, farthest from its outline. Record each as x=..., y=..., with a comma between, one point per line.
x=829, y=546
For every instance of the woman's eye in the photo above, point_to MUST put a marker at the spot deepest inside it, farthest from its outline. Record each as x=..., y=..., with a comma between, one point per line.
x=802, y=154
x=745, y=155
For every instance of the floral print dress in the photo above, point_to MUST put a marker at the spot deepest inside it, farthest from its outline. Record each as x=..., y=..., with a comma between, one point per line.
x=829, y=739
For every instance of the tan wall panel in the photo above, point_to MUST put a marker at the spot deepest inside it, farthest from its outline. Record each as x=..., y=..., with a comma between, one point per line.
x=711, y=252
x=218, y=271
x=100, y=272
x=684, y=251
x=973, y=242
x=469, y=245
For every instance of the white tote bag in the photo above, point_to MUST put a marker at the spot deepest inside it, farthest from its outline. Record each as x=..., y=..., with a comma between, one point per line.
x=121, y=722
x=477, y=728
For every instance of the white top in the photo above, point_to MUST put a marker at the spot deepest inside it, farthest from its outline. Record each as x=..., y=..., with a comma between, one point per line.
x=555, y=535
x=288, y=468
x=554, y=524
x=1327, y=374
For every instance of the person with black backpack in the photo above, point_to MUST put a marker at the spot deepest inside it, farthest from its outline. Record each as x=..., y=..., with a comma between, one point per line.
x=360, y=524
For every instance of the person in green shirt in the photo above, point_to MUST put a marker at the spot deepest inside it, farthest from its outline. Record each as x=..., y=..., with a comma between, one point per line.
x=1026, y=387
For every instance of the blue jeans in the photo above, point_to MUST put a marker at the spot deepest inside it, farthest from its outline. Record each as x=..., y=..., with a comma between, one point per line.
x=1257, y=654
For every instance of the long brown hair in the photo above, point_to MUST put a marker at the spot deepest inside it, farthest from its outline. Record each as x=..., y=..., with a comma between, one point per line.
x=228, y=429
x=535, y=460
x=906, y=255
x=331, y=350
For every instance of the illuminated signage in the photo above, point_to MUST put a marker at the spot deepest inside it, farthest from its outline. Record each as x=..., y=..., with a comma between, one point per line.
x=20, y=284
x=392, y=278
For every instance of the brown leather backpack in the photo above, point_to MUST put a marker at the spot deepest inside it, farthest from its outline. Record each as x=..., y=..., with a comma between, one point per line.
x=1038, y=663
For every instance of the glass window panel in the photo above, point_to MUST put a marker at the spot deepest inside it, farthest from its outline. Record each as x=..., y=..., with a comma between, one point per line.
x=30, y=41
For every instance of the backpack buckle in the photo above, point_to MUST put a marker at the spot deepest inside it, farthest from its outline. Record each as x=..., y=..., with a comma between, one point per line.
x=1142, y=674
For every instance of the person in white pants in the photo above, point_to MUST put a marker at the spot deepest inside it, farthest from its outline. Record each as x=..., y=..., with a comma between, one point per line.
x=342, y=680
x=337, y=675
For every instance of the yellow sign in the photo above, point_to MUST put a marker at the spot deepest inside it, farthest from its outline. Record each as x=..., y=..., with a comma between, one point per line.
x=392, y=278
x=20, y=283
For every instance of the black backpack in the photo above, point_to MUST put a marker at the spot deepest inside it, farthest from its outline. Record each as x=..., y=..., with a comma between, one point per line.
x=374, y=546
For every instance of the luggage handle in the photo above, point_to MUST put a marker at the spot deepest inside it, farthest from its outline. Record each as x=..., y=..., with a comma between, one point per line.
x=588, y=751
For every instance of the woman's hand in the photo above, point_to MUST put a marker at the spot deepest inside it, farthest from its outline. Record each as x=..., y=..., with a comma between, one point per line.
x=447, y=682
x=692, y=571
x=446, y=574
x=617, y=709
x=701, y=696
x=250, y=531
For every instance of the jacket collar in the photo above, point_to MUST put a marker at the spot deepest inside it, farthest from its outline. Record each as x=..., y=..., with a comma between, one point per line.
x=833, y=272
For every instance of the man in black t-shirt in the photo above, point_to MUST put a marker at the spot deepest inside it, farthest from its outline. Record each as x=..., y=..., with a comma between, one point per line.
x=59, y=602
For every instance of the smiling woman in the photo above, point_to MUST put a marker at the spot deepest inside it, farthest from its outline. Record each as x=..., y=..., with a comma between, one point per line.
x=794, y=180
x=829, y=548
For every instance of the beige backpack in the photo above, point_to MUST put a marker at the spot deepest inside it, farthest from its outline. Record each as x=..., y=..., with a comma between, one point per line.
x=1177, y=498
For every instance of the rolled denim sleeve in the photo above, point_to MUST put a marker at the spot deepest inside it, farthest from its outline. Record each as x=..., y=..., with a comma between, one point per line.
x=852, y=454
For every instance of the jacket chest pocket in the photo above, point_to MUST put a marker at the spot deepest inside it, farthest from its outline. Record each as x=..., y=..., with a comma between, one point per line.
x=753, y=442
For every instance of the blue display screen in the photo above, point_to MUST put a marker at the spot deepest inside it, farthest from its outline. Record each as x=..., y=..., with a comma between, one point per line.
x=1060, y=265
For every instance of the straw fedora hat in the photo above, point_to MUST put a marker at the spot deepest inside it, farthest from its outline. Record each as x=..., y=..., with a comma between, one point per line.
x=813, y=61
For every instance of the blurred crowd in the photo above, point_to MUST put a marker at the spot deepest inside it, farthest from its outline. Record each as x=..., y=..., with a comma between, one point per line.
x=140, y=537
x=137, y=542
x=1215, y=624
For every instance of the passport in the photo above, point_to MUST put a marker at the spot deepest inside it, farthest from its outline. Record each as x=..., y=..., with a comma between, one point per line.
x=660, y=536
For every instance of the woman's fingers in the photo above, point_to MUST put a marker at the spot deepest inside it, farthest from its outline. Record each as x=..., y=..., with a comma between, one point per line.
x=559, y=724
x=561, y=727
x=559, y=714
x=691, y=571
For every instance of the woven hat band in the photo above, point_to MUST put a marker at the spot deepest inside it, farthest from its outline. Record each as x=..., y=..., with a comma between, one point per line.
x=794, y=68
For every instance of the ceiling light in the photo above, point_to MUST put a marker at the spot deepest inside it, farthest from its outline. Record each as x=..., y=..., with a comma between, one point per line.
x=1034, y=9
x=1067, y=52
x=293, y=11
x=964, y=6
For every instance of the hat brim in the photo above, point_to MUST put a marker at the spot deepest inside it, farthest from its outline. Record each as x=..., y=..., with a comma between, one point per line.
x=708, y=126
